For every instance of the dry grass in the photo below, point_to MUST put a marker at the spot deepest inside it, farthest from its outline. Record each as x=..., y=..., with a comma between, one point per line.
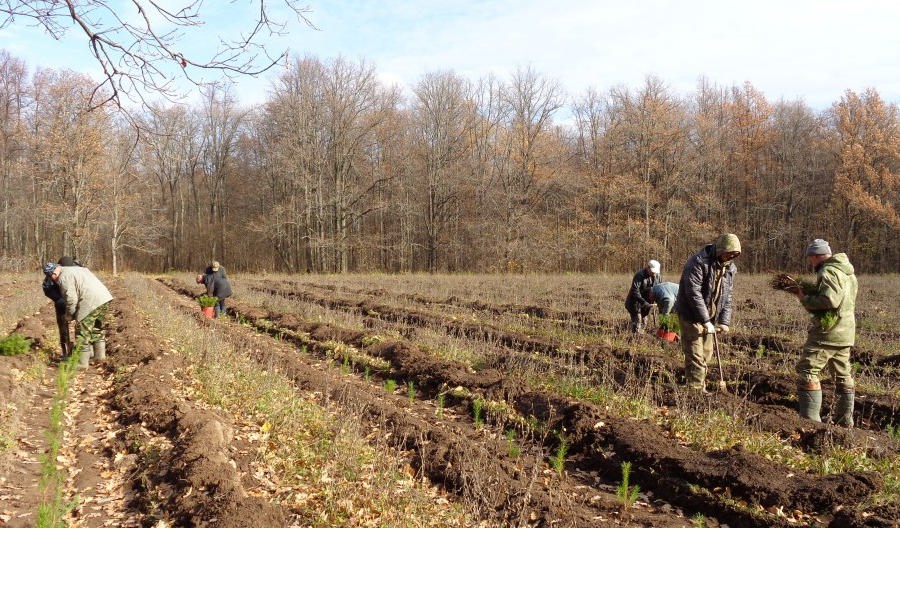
x=331, y=469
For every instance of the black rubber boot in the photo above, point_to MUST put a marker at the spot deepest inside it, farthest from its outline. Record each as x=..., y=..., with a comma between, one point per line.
x=809, y=404
x=843, y=411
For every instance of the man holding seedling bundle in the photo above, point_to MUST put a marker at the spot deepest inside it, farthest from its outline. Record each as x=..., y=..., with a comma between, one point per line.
x=703, y=304
x=217, y=285
x=638, y=303
x=831, y=333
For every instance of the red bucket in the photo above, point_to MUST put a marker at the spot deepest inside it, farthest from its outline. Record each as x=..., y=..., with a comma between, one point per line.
x=209, y=311
x=666, y=334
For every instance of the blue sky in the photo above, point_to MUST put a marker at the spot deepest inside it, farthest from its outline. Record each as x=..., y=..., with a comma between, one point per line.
x=809, y=49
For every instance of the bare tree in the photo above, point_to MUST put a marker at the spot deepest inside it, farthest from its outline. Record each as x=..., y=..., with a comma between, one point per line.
x=221, y=124
x=526, y=160
x=129, y=214
x=13, y=96
x=333, y=114
x=68, y=152
x=442, y=126
x=139, y=44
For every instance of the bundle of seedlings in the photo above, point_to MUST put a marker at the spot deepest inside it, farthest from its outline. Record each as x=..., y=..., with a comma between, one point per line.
x=669, y=322
x=14, y=344
x=785, y=283
x=207, y=301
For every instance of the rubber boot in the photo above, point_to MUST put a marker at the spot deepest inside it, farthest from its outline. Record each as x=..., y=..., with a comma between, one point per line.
x=809, y=404
x=843, y=411
x=100, y=350
x=84, y=357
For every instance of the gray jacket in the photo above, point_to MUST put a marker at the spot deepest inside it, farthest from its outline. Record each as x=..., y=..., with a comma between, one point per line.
x=82, y=290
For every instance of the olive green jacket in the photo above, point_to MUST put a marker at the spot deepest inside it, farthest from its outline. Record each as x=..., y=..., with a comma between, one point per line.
x=835, y=291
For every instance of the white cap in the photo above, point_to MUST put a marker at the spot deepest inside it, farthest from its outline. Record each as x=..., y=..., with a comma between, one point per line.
x=653, y=265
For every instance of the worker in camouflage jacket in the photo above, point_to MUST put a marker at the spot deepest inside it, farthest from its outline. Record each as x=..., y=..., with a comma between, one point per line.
x=638, y=303
x=87, y=301
x=704, y=305
x=831, y=333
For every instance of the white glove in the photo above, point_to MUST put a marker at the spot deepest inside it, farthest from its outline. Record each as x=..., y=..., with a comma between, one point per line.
x=722, y=328
x=710, y=328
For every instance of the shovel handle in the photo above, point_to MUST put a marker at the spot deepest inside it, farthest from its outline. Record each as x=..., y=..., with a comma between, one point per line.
x=719, y=359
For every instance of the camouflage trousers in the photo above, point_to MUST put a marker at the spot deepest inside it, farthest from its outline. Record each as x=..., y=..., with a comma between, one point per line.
x=816, y=359
x=90, y=328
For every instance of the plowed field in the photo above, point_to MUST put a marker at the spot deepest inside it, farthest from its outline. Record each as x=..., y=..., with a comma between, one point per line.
x=468, y=401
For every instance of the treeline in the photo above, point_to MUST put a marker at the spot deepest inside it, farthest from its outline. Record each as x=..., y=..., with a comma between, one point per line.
x=337, y=171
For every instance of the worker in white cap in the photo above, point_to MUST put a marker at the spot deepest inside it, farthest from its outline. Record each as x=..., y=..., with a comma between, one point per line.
x=639, y=301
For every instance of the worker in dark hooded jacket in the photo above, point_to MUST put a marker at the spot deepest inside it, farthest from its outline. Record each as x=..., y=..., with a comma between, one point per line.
x=704, y=305
x=638, y=303
x=831, y=333
x=217, y=285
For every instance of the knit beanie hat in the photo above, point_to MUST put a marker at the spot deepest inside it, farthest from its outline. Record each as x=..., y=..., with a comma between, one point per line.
x=818, y=246
x=653, y=265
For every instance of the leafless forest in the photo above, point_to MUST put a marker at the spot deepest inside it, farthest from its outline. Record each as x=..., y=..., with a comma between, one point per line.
x=338, y=172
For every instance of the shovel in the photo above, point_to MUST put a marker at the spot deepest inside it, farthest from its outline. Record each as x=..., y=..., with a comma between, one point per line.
x=722, y=386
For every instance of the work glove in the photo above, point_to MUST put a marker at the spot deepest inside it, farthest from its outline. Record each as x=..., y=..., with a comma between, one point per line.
x=709, y=328
x=722, y=328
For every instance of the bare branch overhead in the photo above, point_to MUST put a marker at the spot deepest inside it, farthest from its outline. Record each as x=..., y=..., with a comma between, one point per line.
x=139, y=44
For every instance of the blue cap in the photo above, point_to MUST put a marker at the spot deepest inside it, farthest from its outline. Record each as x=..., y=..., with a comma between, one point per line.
x=49, y=268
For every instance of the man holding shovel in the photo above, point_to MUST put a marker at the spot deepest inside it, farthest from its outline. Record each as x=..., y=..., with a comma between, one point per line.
x=703, y=305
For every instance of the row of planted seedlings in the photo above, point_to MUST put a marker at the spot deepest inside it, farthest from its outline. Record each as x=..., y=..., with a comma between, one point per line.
x=32, y=337
x=630, y=402
x=486, y=470
x=19, y=300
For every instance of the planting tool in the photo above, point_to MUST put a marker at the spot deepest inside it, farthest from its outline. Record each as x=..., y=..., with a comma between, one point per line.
x=722, y=385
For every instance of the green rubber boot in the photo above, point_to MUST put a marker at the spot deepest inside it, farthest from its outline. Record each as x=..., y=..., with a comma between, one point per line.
x=843, y=411
x=809, y=404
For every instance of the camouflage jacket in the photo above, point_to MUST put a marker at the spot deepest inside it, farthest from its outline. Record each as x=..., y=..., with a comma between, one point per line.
x=836, y=288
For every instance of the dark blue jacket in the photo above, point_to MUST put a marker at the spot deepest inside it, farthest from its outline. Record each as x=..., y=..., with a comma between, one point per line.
x=695, y=289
